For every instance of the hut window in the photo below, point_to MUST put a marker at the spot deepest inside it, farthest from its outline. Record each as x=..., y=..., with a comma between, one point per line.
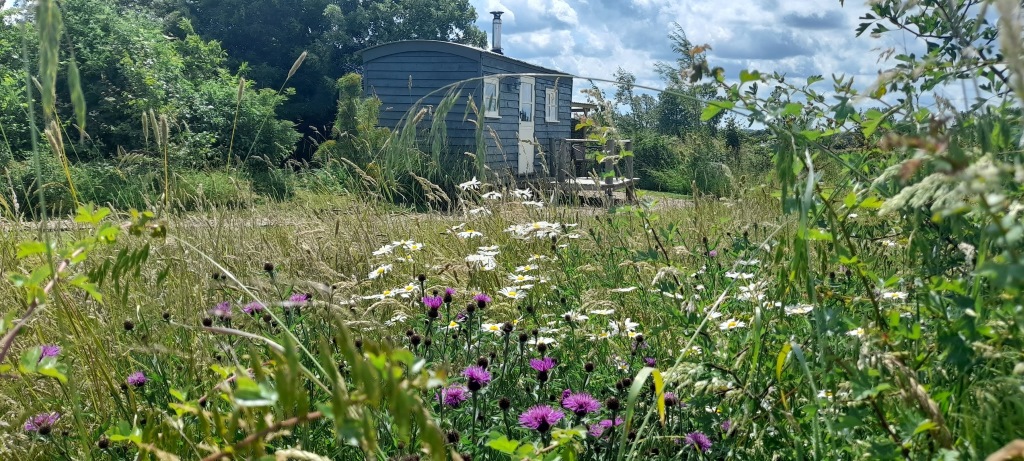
x=551, y=105
x=491, y=97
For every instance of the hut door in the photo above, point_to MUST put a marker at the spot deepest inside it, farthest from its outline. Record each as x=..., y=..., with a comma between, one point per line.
x=526, y=110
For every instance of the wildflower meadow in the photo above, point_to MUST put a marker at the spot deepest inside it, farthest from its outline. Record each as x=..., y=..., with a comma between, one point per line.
x=860, y=298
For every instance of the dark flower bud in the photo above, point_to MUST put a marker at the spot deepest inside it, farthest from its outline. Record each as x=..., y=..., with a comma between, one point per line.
x=626, y=382
x=504, y=404
x=542, y=376
x=409, y=333
x=129, y=325
x=639, y=339
x=588, y=367
x=704, y=240
x=433, y=313
x=359, y=344
x=529, y=310
x=534, y=332
x=523, y=337
x=481, y=304
x=631, y=436
x=562, y=300
x=453, y=437
x=466, y=456
x=268, y=267
x=45, y=430
x=447, y=298
x=427, y=342
x=568, y=318
x=103, y=443
x=474, y=385
x=483, y=362
x=416, y=340
x=207, y=322
x=267, y=318
x=543, y=426
x=470, y=308
x=507, y=327
x=542, y=348
x=215, y=275
x=124, y=387
x=166, y=315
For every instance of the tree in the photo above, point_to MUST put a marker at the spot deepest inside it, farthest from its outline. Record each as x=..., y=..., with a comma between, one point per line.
x=680, y=106
x=641, y=115
x=263, y=38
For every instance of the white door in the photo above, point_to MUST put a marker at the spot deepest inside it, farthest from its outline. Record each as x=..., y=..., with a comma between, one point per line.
x=526, y=110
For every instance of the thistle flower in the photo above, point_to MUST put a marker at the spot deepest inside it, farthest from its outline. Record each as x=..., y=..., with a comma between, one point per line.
x=299, y=298
x=540, y=418
x=42, y=422
x=477, y=376
x=253, y=307
x=433, y=302
x=597, y=430
x=581, y=404
x=222, y=310
x=453, y=395
x=544, y=364
x=698, y=440
x=49, y=350
x=482, y=298
x=137, y=379
x=650, y=361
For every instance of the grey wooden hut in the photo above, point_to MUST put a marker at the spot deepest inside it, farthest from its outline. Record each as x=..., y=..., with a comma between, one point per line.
x=524, y=116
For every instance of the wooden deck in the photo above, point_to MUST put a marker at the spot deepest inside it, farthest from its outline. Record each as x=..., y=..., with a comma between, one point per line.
x=588, y=183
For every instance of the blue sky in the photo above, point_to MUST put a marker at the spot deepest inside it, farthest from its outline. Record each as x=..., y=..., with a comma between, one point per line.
x=594, y=37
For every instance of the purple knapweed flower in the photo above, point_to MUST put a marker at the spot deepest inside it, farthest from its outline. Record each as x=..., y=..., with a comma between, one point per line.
x=650, y=361
x=453, y=395
x=713, y=253
x=433, y=302
x=699, y=441
x=540, y=418
x=222, y=310
x=544, y=364
x=299, y=298
x=49, y=350
x=42, y=422
x=581, y=404
x=671, y=399
x=481, y=298
x=727, y=426
x=449, y=291
x=253, y=307
x=461, y=316
x=597, y=430
x=137, y=379
x=477, y=376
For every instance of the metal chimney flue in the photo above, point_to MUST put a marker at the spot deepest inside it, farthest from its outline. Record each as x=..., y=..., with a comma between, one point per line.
x=496, y=34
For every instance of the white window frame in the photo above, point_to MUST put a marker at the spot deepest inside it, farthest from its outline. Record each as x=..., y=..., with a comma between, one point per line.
x=551, y=105
x=492, y=112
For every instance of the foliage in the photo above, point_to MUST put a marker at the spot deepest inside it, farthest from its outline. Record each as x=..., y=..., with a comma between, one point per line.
x=356, y=135
x=264, y=37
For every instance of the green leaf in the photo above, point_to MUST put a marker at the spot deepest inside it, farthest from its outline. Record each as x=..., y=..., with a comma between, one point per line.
x=178, y=395
x=713, y=109
x=659, y=393
x=792, y=109
x=53, y=369
x=29, y=362
x=77, y=96
x=746, y=76
x=925, y=425
x=250, y=394
x=27, y=249
x=503, y=444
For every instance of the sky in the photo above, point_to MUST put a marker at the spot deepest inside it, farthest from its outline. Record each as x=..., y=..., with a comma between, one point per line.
x=593, y=38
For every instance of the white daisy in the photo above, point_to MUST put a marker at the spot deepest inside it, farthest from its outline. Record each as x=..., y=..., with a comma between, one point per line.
x=379, y=271
x=857, y=332
x=493, y=328
x=525, y=194
x=471, y=184
x=469, y=233
x=603, y=311
x=493, y=195
x=731, y=324
x=798, y=309
x=513, y=292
